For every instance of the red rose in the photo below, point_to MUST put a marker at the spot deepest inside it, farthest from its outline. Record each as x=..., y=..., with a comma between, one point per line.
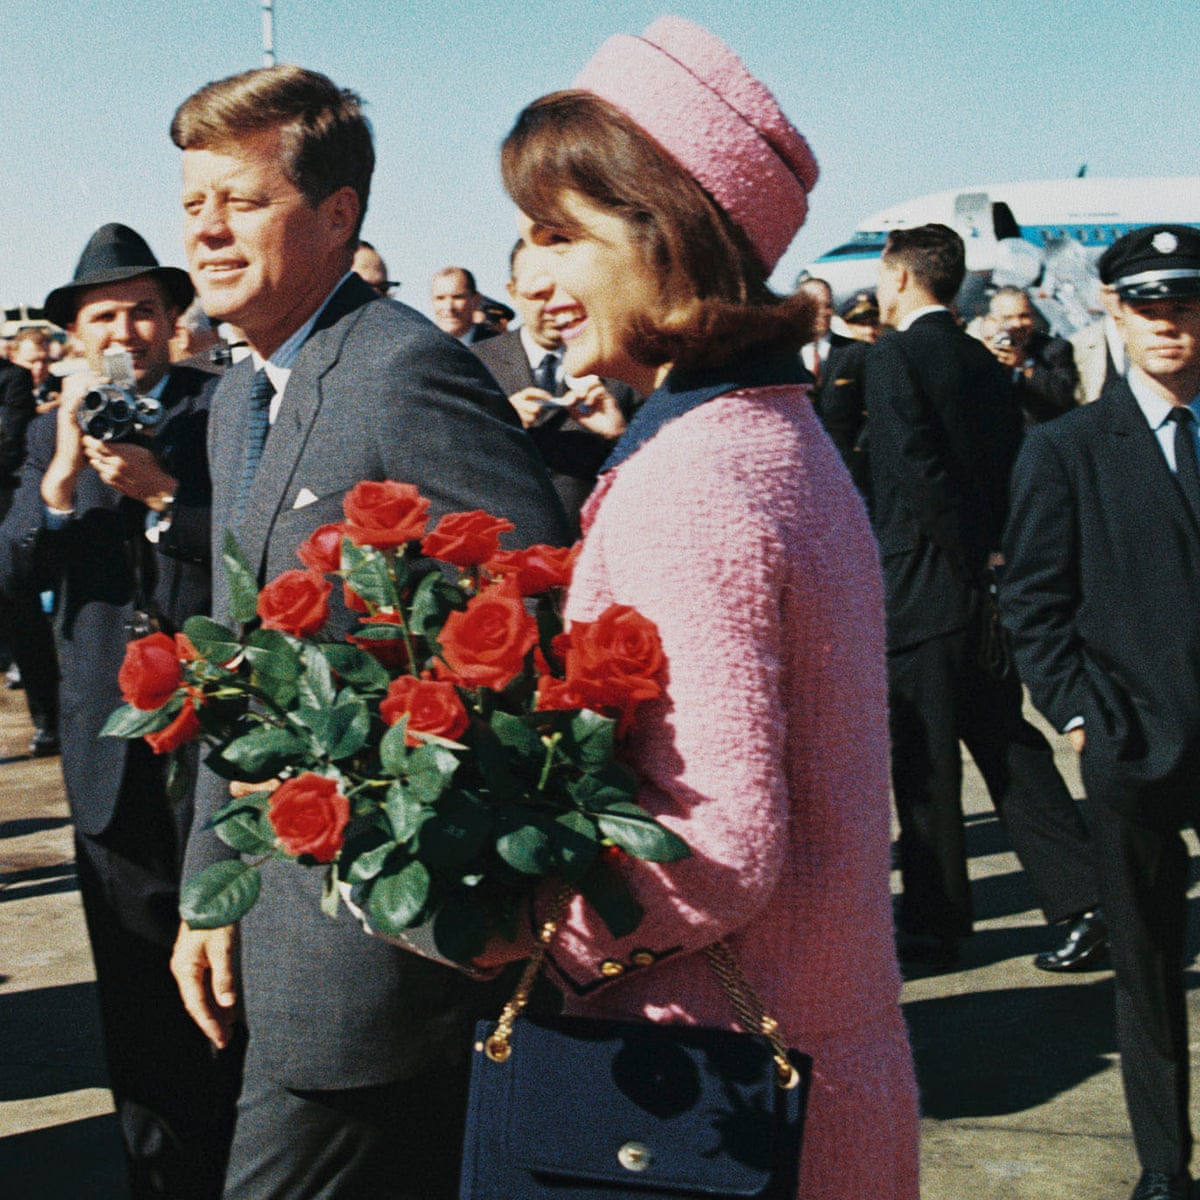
x=181, y=730
x=385, y=515
x=391, y=652
x=296, y=603
x=431, y=705
x=151, y=673
x=309, y=816
x=466, y=539
x=352, y=600
x=322, y=549
x=614, y=661
x=485, y=644
x=184, y=650
x=536, y=569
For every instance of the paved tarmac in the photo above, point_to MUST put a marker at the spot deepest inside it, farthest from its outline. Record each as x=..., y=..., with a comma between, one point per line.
x=1020, y=1087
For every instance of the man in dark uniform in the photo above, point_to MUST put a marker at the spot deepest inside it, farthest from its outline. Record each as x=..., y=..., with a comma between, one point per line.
x=944, y=431
x=119, y=530
x=1103, y=549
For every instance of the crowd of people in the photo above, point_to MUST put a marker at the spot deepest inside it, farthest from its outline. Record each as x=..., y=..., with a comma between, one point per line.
x=861, y=531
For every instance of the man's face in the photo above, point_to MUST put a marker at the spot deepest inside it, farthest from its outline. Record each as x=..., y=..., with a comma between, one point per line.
x=529, y=291
x=453, y=303
x=887, y=292
x=34, y=357
x=260, y=255
x=1013, y=314
x=132, y=315
x=1162, y=338
x=823, y=312
x=369, y=266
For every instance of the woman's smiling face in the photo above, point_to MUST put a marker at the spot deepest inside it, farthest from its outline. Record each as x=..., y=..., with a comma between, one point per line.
x=602, y=284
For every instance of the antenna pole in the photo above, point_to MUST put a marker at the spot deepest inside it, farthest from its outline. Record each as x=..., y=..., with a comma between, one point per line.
x=268, y=32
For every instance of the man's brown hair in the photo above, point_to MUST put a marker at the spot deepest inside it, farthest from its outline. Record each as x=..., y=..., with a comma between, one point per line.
x=715, y=302
x=933, y=254
x=326, y=137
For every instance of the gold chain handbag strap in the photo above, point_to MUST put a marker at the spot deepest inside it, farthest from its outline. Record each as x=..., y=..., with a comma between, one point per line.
x=746, y=1003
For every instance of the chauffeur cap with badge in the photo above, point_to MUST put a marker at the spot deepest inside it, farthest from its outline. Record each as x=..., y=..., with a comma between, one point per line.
x=1160, y=262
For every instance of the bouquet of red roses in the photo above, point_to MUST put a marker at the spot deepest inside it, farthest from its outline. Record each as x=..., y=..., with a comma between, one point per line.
x=453, y=751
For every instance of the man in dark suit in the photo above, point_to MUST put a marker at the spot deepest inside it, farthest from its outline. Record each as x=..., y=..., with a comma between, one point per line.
x=1103, y=546
x=574, y=423
x=119, y=530
x=456, y=302
x=837, y=363
x=944, y=431
x=1042, y=367
x=356, y=1070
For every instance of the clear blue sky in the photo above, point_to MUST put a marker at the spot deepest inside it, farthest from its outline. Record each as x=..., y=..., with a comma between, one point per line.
x=897, y=97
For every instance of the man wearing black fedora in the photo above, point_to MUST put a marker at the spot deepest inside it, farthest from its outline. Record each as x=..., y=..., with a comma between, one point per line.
x=119, y=530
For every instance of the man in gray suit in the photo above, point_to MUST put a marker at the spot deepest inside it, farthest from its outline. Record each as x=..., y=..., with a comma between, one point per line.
x=356, y=1072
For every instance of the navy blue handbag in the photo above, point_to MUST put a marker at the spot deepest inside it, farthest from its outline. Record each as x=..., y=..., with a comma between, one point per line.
x=604, y=1110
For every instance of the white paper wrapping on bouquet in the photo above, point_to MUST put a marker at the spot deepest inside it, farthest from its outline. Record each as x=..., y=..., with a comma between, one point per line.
x=417, y=940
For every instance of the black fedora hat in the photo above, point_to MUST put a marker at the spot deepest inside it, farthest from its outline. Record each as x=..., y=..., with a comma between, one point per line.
x=113, y=253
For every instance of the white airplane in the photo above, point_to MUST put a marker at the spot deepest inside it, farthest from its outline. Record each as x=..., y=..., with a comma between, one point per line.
x=1045, y=235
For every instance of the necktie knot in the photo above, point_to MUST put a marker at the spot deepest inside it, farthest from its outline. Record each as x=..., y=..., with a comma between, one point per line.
x=261, y=390
x=546, y=373
x=1182, y=416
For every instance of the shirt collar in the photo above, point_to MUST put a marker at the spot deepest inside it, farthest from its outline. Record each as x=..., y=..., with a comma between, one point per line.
x=1155, y=409
x=918, y=313
x=533, y=351
x=279, y=365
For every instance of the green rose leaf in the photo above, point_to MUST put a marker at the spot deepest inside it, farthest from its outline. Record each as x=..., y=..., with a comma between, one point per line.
x=515, y=734
x=639, y=834
x=430, y=769
x=275, y=663
x=243, y=824
x=434, y=600
x=316, y=680
x=574, y=842
x=590, y=741
x=219, y=895
x=350, y=726
x=364, y=854
x=404, y=812
x=607, y=892
x=614, y=785
x=395, y=901
x=527, y=845
x=130, y=722
x=243, y=587
x=212, y=641
x=258, y=755
x=454, y=832
x=393, y=750
x=356, y=667
x=368, y=575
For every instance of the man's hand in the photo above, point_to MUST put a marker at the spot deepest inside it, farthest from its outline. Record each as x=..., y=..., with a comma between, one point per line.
x=1008, y=356
x=1077, y=738
x=595, y=408
x=132, y=469
x=204, y=963
x=58, y=483
x=529, y=402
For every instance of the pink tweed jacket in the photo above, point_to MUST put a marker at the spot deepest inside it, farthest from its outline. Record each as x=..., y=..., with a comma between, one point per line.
x=737, y=530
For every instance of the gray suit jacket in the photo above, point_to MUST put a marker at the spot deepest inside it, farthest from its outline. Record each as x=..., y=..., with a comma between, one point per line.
x=376, y=393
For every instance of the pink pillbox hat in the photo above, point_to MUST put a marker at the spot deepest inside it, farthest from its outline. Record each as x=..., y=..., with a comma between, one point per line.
x=692, y=94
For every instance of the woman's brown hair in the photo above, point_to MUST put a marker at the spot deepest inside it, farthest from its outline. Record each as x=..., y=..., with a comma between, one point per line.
x=715, y=302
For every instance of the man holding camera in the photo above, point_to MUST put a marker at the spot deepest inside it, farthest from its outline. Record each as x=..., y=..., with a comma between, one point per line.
x=1042, y=367
x=116, y=522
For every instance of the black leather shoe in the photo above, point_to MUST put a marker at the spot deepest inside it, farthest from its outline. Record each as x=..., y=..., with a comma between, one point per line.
x=1084, y=949
x=928, y=949
x=44, y=744
x=1158, y=1185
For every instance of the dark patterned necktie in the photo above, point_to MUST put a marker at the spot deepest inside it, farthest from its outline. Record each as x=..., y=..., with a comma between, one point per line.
x=1186, y=469
x=545, y=375
x=258, y=420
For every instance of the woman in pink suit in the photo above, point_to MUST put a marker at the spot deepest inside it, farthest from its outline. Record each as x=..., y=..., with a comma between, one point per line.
x=657, y=196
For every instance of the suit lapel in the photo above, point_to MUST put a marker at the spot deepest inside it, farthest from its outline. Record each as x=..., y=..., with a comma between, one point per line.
x=1139, y=454
x=302, y=400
